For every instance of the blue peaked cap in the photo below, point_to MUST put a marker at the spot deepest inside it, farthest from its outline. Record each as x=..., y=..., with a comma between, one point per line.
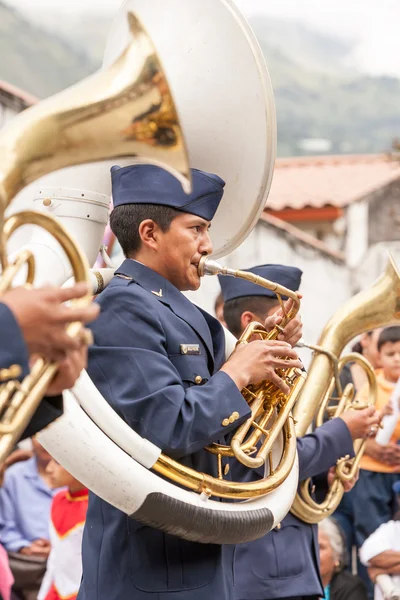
x=148, y=184
x=233, y=288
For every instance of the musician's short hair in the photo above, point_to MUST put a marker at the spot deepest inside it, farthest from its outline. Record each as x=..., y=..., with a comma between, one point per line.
x=233, y=310
x=125, y=221
x=389, y=334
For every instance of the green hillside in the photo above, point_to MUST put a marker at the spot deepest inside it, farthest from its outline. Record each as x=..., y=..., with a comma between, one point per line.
x=318, y=97
x=356, y=113
x=38, y=61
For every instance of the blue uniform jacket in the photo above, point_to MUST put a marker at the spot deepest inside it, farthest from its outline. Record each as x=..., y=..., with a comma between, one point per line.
x=178, y=401
x=285, y=562
x=13, y=350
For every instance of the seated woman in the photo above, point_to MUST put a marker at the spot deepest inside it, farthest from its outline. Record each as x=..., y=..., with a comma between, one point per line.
x=338, y=583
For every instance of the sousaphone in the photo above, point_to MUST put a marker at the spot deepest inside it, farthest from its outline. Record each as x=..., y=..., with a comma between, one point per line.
x=223, y=96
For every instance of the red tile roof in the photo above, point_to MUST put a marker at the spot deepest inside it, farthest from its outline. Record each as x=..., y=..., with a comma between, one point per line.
x=13, y=90
x=328, y=180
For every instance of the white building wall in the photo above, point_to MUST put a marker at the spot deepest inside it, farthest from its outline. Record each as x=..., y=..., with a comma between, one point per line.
x=357, y=233
x=6, y=114
x=374, y=263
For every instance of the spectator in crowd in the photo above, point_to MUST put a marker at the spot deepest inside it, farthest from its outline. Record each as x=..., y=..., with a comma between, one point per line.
x=25, y=500
x=68, y=514
x=381, y=550
x=380, y=464
x=367, y=345
x=338, y=583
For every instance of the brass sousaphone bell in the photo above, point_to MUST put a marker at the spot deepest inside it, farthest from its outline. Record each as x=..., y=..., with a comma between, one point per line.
x=126, y=110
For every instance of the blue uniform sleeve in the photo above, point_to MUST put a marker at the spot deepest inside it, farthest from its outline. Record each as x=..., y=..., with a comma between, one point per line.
x=130, y=365
x=319, y=451
x=50, y=409
x=13, y=350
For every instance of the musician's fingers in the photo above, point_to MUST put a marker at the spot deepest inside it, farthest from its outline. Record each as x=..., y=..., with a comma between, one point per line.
x=56, y=355
x=69, y=293
x=283, y=363
x=278, y=381
x=293, y=331
x=62, y=342
x=288, y=304
x=273, y=320
x=374, y=418
x=84, y=314
x=368, y=411
x=289, y=353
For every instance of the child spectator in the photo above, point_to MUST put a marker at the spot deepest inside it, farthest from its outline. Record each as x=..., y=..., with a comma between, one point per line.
x=68, y=514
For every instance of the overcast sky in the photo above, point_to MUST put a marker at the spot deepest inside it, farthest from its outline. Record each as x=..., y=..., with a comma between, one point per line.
x=373, y=23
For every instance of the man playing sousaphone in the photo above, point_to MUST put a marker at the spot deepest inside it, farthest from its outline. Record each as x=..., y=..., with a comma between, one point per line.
x=160, y=362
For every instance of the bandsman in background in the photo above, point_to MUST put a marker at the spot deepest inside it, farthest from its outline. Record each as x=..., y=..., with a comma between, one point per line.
x=284, y=563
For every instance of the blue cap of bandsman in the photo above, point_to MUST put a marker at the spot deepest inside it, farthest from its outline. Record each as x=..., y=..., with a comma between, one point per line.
x=232, y=287
x=149, y=184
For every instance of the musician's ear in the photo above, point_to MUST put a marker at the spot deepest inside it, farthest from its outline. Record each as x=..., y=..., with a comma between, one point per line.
x=247, y=317
x=149, y=234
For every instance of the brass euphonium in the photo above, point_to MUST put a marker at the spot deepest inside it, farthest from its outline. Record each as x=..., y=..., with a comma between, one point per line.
x=252, y=442
x=126, y=110
x=375, y=307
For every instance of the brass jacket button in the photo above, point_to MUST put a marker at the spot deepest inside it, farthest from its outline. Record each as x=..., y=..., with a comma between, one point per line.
x=198, y=379
x=225, y=422
x=12, y=372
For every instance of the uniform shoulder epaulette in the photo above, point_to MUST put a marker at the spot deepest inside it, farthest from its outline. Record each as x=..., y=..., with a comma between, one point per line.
x=124, y=280
x=124, y=276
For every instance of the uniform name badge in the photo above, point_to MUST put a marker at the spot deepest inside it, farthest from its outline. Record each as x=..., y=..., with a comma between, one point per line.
x=189, y=348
